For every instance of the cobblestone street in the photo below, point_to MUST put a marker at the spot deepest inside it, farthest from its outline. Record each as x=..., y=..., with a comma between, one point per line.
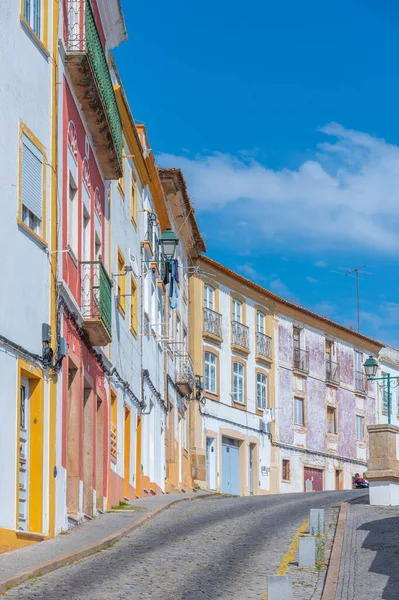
x=210, y=548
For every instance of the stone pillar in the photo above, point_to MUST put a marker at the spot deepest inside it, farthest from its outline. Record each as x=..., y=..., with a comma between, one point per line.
x=383, y=465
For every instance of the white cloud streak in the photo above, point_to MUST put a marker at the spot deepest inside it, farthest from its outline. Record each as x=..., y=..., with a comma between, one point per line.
x=347, y=196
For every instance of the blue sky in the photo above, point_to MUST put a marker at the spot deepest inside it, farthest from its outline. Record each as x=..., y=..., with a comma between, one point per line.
x=284, y=117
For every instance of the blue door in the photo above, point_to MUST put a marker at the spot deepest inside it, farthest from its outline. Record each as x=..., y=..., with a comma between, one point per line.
x=230, y=466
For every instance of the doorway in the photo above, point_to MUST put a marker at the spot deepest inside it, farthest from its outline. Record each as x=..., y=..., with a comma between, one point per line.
x=87, y=450
x=99, y=455
x=126, y=466
x=230, y=466
x=210, y=463
x=314, y=477
x=138, y=457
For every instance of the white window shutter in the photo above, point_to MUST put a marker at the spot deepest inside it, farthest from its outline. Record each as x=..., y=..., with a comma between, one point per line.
x=32, y=177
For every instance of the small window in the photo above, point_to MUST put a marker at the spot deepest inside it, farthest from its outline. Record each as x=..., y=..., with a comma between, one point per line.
x=359, y=428
x=133, y=306
x=32, y=15
x=299, y=414
x=296, y=338
x=134, y=200
x=286, y=470
x=331, y=420
x=210, y=372
x=121, y=283
x=260, y=322
x=237, y=311
x=261, y=390
x=384, y=392
x=209, y=297
x=238, y=382
x=32, y=190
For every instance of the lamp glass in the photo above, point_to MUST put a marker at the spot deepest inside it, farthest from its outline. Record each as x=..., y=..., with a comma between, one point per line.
x=371, y=367
x=168, y=243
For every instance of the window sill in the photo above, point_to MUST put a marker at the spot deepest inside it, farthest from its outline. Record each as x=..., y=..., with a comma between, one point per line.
x=332, y=436
x=211, y=395
x=212, y=337
x=122, y=311
x=265, y=359
x=300, y=428
x=239, y=405
x=113, y=459
x=134, y=222
x=260, y=411
x=286, y=481
x=240, y=349
x=38, y=42
x=32, y=234
x=133, y=332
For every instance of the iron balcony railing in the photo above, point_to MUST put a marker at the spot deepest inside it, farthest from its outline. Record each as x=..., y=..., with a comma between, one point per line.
x=301, y=359
x=96, y=293
x=240, y=335
x=213, y=323
x=360, y=381
x=263, y=345
x=83, y=39
x=332, y=371
x=185, y=375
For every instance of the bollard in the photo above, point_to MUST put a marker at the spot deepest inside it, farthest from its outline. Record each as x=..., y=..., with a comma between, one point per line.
x=307, y=552
x=316, y=521
x=279, y=587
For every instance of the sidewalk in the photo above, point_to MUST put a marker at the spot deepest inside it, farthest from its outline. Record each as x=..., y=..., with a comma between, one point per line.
x=369, y=567
x=84, y=540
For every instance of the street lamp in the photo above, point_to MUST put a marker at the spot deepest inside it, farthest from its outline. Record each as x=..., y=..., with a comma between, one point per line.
x=371, y=367
x=168, y=243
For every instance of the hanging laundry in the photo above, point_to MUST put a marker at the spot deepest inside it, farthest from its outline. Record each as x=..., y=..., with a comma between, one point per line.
x=176, y=264
x=167, y=272
x=173, y=291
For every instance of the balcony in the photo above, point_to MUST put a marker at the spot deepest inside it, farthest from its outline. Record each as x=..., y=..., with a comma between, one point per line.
x=87, y=66
x=360, y=382
x=332, y=372
x=185, y=377
x=212, y=323
x=96, y=303
x=240, y=335
x=301, y=360
x=263, y=346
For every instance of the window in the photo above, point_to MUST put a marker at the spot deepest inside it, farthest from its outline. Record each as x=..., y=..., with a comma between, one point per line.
x=260, y=322
x=121, y=283
x=237, y=311
x=286, y=475
x=238, y=382
x=210, y=373
x=261, y=390
x=134, y=200
x=121, y=182
x=133, y=306
x=359, y=428
x=32, y=185
x=73, y=216
x=299, y=413
x=384, y=393
x=32, y=15
x=297, y=338
x=329, y=349
x=209, y=297
x=331, y=420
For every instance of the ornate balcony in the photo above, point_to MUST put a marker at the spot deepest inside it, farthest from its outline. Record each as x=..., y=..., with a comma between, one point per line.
x=360, y=382
x=240, y=335
x=263, y=346
x=332, y=372
x=213, y=323
x=185, y=376
x=87, y=66
x=96, y=303
x=301, y=360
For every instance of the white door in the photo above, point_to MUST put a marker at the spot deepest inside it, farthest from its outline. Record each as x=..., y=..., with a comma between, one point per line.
x=23, y=454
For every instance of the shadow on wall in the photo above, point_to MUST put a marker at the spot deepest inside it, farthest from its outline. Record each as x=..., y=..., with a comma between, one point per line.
x=383, y=538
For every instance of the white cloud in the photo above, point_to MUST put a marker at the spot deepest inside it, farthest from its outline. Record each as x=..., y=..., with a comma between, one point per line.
x=320, y=263
x=311, y=280
x=347, y=195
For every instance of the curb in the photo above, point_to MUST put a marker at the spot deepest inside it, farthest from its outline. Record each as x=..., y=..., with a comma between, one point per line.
x=73, y=557
x=330, y=585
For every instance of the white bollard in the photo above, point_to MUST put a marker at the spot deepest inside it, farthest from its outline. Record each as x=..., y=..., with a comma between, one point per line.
x=307, y=552
x=279, y=587
x=316, y=521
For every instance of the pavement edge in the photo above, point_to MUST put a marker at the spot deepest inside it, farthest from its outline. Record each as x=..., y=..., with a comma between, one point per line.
x=331, y=581
x=86, y=551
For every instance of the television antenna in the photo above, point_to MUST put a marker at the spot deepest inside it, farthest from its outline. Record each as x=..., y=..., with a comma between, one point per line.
x=355, y=274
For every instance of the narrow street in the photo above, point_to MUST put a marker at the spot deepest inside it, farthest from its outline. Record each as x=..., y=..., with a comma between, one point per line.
x=210, y=548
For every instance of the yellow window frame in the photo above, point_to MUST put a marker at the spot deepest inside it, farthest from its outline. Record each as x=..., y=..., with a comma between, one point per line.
x=24, y=130
x=133, y=307
x=43, y=39
x=121, y=283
